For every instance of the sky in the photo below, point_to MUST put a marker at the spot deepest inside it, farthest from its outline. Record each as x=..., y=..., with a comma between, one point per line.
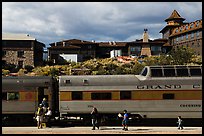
x=51, y=22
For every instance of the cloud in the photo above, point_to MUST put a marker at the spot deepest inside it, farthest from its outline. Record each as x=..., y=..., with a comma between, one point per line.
x=100, y=21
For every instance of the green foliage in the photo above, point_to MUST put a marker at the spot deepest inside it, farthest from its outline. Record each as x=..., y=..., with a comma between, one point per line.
x=109, y=66
x=5, y=72
x=22, y=72
x=11, y=67
x=181, y=55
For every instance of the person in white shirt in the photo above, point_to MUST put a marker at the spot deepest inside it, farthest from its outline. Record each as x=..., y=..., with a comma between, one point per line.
x=48, y=116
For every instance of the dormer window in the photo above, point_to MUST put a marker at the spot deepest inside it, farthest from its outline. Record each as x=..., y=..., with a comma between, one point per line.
x=191, y=26
x=197, y=24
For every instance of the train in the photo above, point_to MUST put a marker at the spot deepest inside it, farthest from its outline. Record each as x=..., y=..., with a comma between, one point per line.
x=158, y=92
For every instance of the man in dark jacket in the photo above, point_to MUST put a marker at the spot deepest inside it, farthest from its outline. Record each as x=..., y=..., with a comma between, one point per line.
x=94, y=116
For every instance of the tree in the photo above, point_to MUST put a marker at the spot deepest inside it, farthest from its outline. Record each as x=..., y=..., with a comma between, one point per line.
x=181, y=55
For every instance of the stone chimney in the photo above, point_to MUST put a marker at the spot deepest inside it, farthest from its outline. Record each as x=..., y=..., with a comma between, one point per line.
x=145, y=36
x=145, y=46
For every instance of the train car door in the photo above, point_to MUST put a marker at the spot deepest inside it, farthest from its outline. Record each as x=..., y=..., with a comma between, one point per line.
x=42, y=93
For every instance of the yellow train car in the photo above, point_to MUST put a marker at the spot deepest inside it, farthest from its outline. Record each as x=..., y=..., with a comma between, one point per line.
x=158, y=92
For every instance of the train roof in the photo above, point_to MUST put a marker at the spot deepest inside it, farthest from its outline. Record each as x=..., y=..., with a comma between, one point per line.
x=148, y=72
x=98, y=80
x=25, y=81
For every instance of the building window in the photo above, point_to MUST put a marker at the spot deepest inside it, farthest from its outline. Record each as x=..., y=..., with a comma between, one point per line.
x=77, y=95
x=137, y=48
x=20, y=54
x=186, y=36
x=20, y=64
x=192, y=35
x=181, y=29
x=197, y=34
x=132, y=49
x=177, y=38
x=197, y=24
x=124, y=95
x=182, y=38
x=101, y=96
x=191, y=26
x=3, y=53
x=186, y=27
x=168, y=96
x=155, y=48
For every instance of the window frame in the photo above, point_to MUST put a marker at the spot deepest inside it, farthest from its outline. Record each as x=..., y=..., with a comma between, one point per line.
x=77, y=95
x=20, y=54
x=125, y=95
x=101, y=96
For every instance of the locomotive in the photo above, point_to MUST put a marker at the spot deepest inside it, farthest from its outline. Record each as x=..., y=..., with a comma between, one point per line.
x=159, y=92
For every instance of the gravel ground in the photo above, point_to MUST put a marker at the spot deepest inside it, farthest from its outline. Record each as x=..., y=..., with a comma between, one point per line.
x=102, y=130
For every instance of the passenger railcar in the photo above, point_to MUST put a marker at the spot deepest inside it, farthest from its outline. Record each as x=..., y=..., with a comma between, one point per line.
x=21, y=96
x=158, y=92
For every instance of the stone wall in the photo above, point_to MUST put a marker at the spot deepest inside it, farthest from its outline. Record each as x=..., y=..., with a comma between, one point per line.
x=12, y=57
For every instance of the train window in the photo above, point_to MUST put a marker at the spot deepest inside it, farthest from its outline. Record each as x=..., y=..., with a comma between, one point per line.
x=101, y=96
x=156, y=72
x=4, y=96
x=77, y=95
x=13, y=96
x=195, y=72
x=168, y=96
x=169, y=72
x=182, y=72
x=144, y=72
x=124, y=95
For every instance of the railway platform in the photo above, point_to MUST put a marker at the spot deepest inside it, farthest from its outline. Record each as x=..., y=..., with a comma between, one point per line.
x=102, y=130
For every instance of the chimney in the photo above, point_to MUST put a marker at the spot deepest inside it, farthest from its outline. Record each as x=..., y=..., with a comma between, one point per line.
x=145, y=36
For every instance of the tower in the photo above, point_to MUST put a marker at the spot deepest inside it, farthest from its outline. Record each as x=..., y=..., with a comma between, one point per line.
x=145, y=46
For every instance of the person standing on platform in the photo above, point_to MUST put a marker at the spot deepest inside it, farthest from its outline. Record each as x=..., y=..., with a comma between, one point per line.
x=125, y=121
x=39, y=117
x=180, y=123
x=94, y=116
x=48, y=116
x=45, y=104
